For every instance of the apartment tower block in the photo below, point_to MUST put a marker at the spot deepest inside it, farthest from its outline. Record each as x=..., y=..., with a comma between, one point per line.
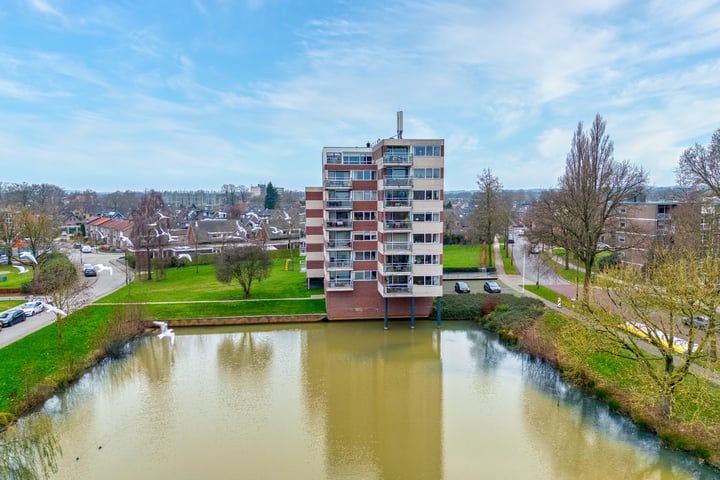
x=374, y=230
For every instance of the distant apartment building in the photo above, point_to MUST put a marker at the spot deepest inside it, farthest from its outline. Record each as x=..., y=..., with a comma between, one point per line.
x=374, y=229
x=636, y=227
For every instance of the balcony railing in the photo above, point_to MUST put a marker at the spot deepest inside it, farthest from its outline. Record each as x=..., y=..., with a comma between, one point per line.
x=397, y=181
x=339, y=285
x=339, y=224
x=398, y=289
x=398, y=267
x=397, y=246
x=397, y=203
x=336, y=244
x=397, y=224
x=339, y=265
x=338, y=183
x=338, y=204
x=398, y=158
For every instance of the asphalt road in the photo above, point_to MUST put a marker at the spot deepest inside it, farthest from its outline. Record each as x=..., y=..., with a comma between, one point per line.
x=94, y=288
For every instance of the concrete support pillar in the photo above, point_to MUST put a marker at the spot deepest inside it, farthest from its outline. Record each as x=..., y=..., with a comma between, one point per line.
x=439, y=311
x=385, y=324
x=412, y=312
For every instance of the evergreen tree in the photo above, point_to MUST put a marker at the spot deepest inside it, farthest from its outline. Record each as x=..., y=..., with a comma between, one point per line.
x=271, y=196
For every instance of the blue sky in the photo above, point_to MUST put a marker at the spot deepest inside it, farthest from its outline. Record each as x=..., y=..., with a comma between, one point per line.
x=194, y=94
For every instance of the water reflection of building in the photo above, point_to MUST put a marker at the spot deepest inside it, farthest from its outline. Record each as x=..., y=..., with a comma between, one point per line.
x=380, y=398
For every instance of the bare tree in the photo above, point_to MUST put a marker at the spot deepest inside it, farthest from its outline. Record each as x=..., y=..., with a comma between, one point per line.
x=59, y=281
x=39, y=232
x=9, y=231
x=672, y=285
x=244, y=264
x=699, y=166
x=592, y=189
x=145, y=231
x=488, y=217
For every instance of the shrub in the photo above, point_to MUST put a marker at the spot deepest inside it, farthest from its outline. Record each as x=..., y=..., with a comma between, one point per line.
x=489, y=305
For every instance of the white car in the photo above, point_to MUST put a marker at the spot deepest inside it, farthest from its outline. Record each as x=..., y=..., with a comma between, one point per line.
x=86, y=249
x=31, y=308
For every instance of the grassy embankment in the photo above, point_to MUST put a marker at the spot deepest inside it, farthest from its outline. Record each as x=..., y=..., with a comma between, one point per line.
x=586, y=358
x=13, y=279
x=33, y=368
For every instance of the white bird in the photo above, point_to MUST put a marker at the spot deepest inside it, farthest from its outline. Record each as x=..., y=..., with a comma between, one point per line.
x=253, y=214
x=165, y=331
x=185, y=255
x=161, y=215
x=29, y=256
x=126, y=240
x=54, y=309
x=21, y=268
x=240, y=229
x=100, y=267
x=287, y=217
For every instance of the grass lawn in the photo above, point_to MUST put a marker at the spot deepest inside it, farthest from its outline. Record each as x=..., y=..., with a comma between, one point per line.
x=7, y=304
x=462, y=256
x=13, y=278
x=184, y=284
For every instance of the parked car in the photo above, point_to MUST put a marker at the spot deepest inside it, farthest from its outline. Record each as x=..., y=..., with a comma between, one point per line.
x=3, y=258
x=492, y=287
x=535, y=249
x=31, y=308
x=511, y=238
x=86, y=249
x=698, y=321
x=603, y=246
x=89, y=270
x=11, y=317
x=462, y=287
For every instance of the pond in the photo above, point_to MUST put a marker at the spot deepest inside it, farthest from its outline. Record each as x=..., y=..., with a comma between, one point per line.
x=344, y=400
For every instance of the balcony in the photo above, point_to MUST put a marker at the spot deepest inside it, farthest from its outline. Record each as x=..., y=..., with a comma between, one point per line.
x=397, y=204
x=400, y=290
x=338, y=183
x=339, y=285
x=339, y=265
x=343, y=224
x=397, y=267
x=398, y=159
x=339, y=244
x=338, y=204
x=397, y=225
x=397, y=247
x=396, y=181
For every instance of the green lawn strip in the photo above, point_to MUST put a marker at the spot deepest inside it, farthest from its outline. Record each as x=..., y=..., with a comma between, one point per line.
x=7, y=304
x=508, y=263
x=28, y=361
x=185, y=284
x=236, y=309
x=548, y=294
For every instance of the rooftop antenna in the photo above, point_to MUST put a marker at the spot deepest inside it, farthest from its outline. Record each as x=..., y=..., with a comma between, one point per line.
x=399, y=124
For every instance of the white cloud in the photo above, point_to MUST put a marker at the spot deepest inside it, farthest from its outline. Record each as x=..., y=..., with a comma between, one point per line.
x=44, y=7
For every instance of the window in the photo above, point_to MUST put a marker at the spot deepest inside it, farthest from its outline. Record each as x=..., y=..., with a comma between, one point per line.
x=426, y=216
x=365, y=256
x=363, y=175
x=365, y=275
x=365, y=216
x=426, y=238
x=338, y=175
x=426, y=259
x=354, y=158
x=426, y=194
x=426, y=172
x=621, y=239
x=364, y=195
x=426, y=280
x=360, y=236
x=622, y=224
x=426, y=150
x=333, y=157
